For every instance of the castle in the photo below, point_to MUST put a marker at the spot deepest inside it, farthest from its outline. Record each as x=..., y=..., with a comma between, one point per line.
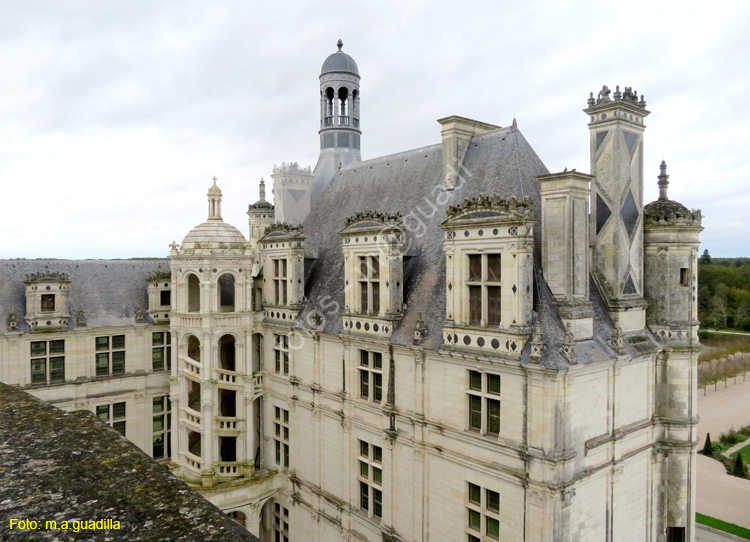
x=448, y=343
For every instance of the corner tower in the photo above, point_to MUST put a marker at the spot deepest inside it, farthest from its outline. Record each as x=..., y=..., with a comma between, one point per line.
x=616, y=129
x=340, y=129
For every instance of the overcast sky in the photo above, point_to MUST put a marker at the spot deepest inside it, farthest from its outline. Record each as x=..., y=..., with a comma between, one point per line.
x=114, y=116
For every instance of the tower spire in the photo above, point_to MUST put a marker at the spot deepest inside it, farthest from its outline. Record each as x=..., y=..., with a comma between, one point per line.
x=262, y=189
x=663, y=181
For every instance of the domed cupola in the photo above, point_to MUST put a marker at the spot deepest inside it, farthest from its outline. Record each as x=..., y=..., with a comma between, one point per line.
x=214, y=235
x=339, y=62
x=665, y=211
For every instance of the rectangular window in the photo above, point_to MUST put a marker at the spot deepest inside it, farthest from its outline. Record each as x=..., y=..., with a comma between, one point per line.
x=114, y=415
x=483, y=511
x=280, y=280
x=47, y=361
x=369, y=285
x=483, y=396
x=165, y=298
x=280, y=523
x=370, y=478
x=110, y=355
x=281, y=436
x=675, y=534
x=484, y=289
x=281, y=353
x=684, y=277
x=48, y=302
x=371, y=376
x=161, y=411
x=161, y=350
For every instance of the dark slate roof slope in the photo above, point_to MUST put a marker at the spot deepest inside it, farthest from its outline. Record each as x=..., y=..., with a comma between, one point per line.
x=66, y=466
x=107, y=290
x=498, y=162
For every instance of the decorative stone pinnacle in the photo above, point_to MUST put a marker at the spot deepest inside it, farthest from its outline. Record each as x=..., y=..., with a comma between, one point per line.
x=569, y=347
x=174, y=246
x=214, y=179
x=537, y=345
x=339, y=44
x=663, y=181
x=262, y=189
x=618, y=340
x=419, y=330
x=628, y=95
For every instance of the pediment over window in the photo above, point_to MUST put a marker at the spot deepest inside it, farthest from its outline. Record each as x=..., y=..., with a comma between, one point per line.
x=491, y=207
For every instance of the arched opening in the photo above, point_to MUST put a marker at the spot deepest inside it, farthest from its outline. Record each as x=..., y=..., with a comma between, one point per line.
x=355, y=108
x=328, y=120
x=343, y=106
x=226, y=292
x=257, y=352
x=227, y=353
x=194, y=293
x=194, y=443
x=194, y=348
x=194, y=395
x=274, y=521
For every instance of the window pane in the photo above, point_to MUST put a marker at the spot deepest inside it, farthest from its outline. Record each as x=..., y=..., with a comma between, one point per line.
x=278, y=292
x=158, y=424
x=475, y=495
x=118, y=341
x=364, y=496
x=286, y=363
x=493, y=500
x=475, y=380
x=377, y=475
x=364, y=469
x=475, y=305
x=375, y=267
x=57, y=347
x=278, y=429
x=38, y=348
x=378, y=387
x=377, y=496
x=377, y=360
x=475, y=412
x=283, y=268
x=102, y=343
x=278, y=452
x=364, y=449
x=286, y=342
x=102, y=412
x=363, y=267
x=278, y=361
x=473, y=538
x=377, y=454
x=286, y=455
x=286, y=433
x=375, y=297
x=102, y=364
x=57, y=369
x=493, y=384
x=364, y=358
x=169, y=337
x=157, y=339
x=364, y=384
x=158, y=446
x=119, y=427
x=475, y=267
x=475, y=520
x=493, y=305
x=38, y=371
x=493, y=268
x=493, y=528
x=118, y=410
x=157, y=359
x=493, y=416
x=363, y=297
x=286, y=416
x=118, y=362
x=158, y=403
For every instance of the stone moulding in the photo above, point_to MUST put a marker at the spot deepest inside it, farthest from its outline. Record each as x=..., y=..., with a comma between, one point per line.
x=284, y=228
x=510, y=207
x=46, y=276
x=376, y=216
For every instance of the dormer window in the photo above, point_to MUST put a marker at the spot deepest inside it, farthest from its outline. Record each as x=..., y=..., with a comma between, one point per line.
x=48, y=302
x=484, y=289
x=369, y=285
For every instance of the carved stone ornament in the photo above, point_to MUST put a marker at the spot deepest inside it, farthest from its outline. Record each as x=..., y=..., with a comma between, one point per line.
x=511, y=207
x=284, y=227
x=12, y=320
x=368, y=215
x=567, y=496
x=537, y=345
x=618, y=340
x=80, y=318
x=36, y=277
x=139, y=314
x=419, y=330
x=569, y=348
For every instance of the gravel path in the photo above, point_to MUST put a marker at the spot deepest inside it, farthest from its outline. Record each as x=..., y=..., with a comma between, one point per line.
x=720, y=495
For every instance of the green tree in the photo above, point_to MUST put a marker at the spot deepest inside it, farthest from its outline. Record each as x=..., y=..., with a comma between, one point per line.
x=739, y=466
x=708, y=448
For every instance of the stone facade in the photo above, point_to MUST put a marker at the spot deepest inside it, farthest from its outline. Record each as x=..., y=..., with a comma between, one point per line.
x=441, y=350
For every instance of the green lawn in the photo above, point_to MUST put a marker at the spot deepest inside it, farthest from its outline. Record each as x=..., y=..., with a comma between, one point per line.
x=723, y=525
x=745, y=452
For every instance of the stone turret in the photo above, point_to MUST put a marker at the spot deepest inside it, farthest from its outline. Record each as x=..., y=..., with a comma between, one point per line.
x=260, y=216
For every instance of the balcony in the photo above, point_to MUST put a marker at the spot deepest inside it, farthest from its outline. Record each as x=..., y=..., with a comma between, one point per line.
x=227, y=377
x=227, y=320
x=228, y=469
x=192, y=418
x=191, y=366
x=343, y=121
x=229, y=424
x=328, y=121
x=193, y=462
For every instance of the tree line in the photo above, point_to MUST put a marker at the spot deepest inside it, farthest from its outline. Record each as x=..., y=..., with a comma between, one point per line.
x=724, y=292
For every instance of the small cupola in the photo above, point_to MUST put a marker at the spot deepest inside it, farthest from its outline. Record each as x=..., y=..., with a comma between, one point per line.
x=214, y=201
x=47, y=302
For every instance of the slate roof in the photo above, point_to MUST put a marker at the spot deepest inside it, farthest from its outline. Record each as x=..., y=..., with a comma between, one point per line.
x=498, y=162
x=107, y=290
x=65, y=466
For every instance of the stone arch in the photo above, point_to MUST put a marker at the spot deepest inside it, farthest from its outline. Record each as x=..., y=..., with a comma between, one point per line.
x=226, y=287
x=193, y=348
x=228, y=352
